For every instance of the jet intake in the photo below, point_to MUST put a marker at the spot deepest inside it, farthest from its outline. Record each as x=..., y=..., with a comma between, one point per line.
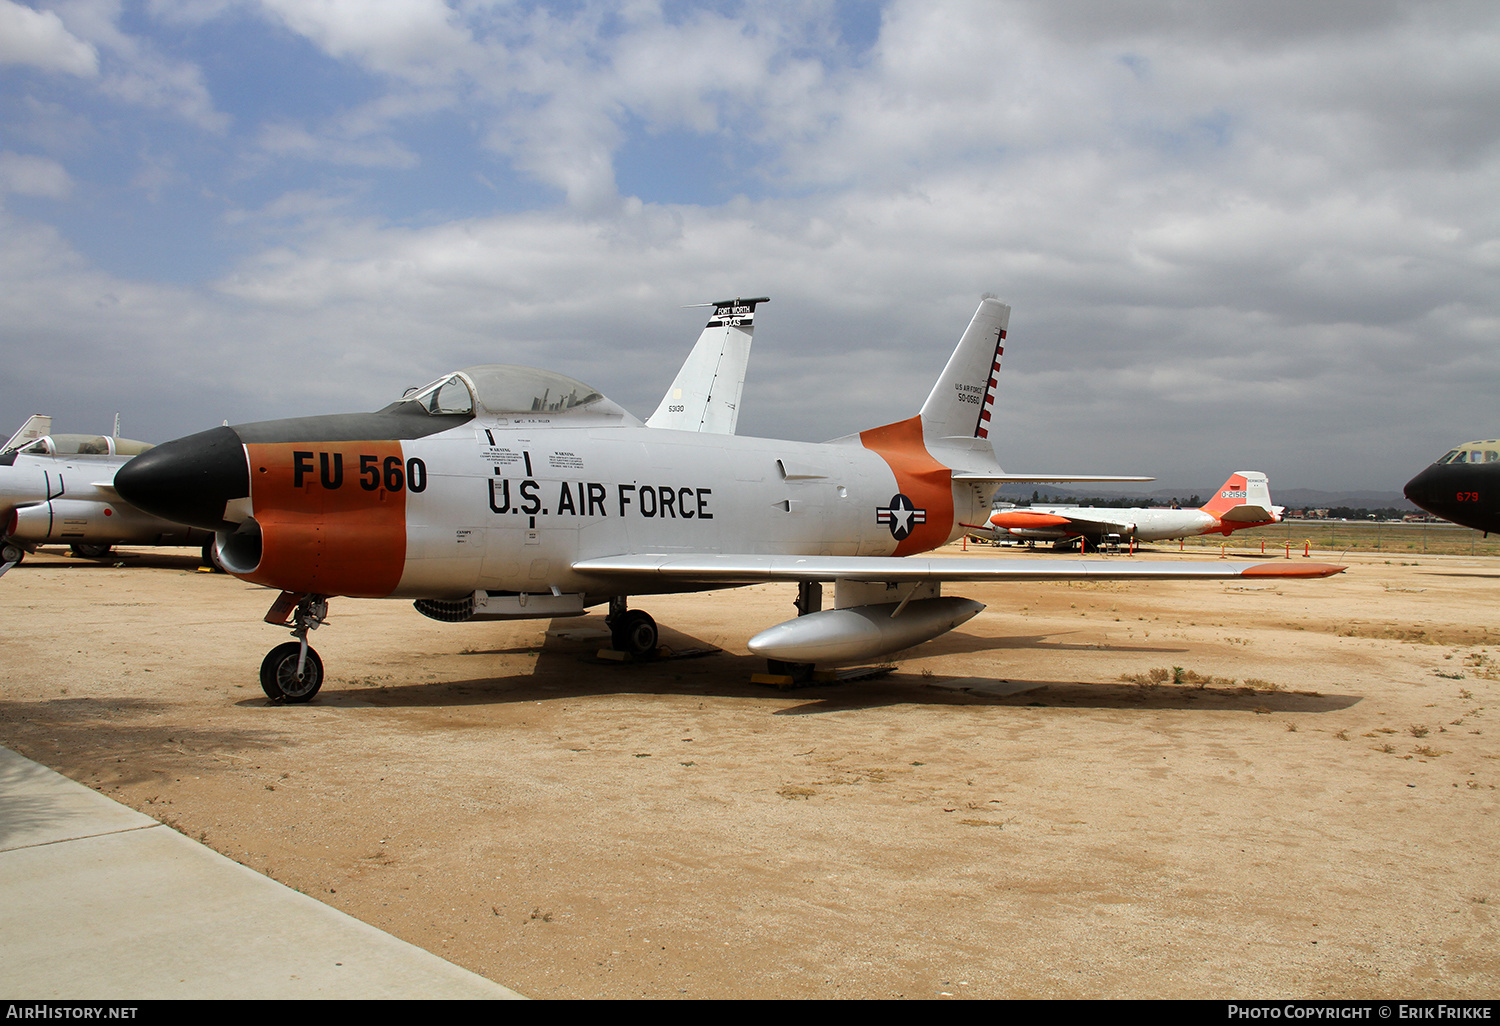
x=240, y=550
x=862, y=632
x=277, y=548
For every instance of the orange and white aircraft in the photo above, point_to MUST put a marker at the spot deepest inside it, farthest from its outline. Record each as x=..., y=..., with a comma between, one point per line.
x=1244, y=501
x=502, y=492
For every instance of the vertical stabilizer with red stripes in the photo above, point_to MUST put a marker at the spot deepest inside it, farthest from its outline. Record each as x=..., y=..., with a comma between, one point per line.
x=961, y=406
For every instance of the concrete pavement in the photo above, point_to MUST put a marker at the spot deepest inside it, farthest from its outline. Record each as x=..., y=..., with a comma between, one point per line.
x=98, y=901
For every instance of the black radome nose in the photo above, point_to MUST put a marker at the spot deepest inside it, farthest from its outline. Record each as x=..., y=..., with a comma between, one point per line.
x=1414, y=490
x=1428, y=492
x=188, y=480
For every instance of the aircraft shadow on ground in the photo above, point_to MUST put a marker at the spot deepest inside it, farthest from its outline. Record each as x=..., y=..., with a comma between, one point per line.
x=1066, y=694
x=138, y=739
x=960, y=643
x=567, y=666
x=168, y=560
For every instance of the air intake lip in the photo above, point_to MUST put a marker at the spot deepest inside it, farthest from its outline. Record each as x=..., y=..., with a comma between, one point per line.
x=240, y=549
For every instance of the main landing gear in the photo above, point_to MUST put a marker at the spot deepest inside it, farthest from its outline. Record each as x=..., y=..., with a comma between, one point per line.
x=631, y=630
x=801, y=673
x=292, y=671
x=10, y=554
x=809, y=600
x=211, y=558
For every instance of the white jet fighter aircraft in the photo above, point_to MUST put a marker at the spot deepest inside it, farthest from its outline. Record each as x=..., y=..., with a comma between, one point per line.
x=503, y=492
x=59, y=489
x=1244, y=501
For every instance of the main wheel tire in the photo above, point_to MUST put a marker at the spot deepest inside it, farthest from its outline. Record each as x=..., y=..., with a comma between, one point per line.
x=278, y=674
x=634, y=632
x=85, y=550
x=11, y=553
x=801, y=673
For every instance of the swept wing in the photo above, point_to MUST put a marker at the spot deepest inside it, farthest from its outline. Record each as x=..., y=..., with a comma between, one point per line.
x=714, y=568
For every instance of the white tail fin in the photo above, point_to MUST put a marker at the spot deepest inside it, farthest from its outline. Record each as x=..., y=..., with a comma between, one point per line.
x=961, y=403
x=35, y=427
x=705, y=396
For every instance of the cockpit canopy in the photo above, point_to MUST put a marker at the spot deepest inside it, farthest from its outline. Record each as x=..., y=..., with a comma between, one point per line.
x=83, y=445
x=1484, y=451
x=503, y=389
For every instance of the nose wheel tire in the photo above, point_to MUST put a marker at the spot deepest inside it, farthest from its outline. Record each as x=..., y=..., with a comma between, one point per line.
x=278, y=674
x=634, y=632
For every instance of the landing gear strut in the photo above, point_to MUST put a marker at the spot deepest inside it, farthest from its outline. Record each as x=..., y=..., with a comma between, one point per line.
x=809, y=600
x=631, y=630
x=292, y=671
x=211, y=558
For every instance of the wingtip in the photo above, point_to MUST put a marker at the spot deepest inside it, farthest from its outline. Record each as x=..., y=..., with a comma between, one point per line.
x=1293, y=570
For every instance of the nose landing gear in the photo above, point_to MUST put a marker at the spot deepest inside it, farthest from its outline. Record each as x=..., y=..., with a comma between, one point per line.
x=287, y=675
x=293, y=671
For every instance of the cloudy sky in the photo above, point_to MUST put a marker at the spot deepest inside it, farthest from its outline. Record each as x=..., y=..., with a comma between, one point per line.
x=1235, y=236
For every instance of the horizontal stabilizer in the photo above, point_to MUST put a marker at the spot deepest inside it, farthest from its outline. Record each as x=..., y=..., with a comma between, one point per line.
x=1001, y=479
x=1248, y=514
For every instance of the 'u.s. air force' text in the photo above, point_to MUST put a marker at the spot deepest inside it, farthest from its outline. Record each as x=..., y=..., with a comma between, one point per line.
x=525, y=496
x=593, y=499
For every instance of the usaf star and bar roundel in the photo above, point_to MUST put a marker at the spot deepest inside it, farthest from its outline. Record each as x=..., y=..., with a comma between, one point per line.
x=900, y=516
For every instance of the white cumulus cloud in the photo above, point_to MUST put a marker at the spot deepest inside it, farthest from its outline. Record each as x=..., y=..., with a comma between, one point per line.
x=30, y=175
x=39, y=39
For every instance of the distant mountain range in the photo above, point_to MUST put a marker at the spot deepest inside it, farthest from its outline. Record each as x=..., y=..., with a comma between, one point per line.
x=1292, y=498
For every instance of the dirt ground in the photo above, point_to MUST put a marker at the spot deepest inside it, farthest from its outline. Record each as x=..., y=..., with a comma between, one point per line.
x=1309, y=811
